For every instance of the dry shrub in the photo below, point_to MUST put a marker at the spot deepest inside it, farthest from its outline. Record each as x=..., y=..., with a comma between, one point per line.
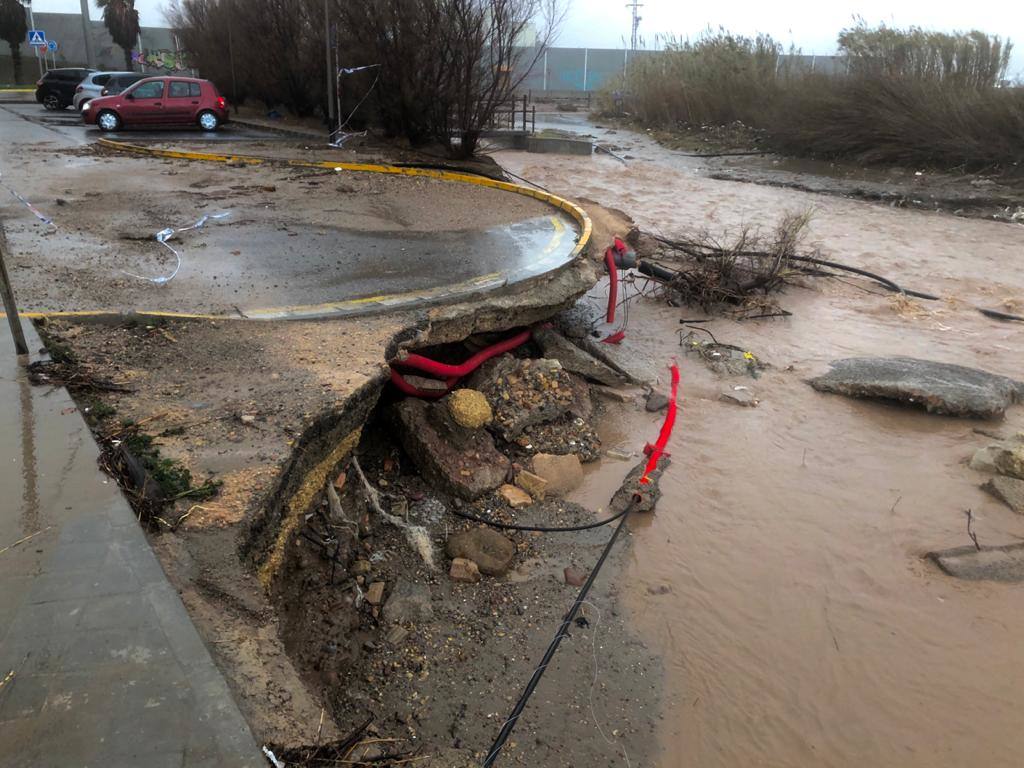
x=740, y=270
x=909, y=96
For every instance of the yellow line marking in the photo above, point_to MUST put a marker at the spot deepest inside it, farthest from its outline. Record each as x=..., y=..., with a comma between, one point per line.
x=271, y=313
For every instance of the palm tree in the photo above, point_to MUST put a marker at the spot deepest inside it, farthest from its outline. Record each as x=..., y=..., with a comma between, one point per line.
x=122, y=21
x=13, y=30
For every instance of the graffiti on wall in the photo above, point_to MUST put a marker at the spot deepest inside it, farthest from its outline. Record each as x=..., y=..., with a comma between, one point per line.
x=171, y=61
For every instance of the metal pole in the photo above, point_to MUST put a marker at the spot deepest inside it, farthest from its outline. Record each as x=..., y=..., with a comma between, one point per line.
x=32, y=23
x=231, y=56
x=331, y=112
x=9, y=305
x=585, y=62
x=90, y=59
x=545, y=70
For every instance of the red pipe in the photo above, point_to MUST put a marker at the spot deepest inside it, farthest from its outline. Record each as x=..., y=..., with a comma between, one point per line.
x=445, y=371
x=666, y=428
x=613, y=283
x=428, y=394
x=615, y=338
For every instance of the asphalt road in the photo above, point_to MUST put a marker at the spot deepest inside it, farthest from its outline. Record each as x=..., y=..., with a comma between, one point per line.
x=288, y=249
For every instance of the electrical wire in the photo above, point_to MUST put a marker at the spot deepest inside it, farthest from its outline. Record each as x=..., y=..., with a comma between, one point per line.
x=562, y=633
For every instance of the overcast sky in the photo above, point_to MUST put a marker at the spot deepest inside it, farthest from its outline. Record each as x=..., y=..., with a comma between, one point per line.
x=809, y=24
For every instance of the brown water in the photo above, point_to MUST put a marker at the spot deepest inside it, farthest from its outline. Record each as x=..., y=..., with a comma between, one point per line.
x=801, y=626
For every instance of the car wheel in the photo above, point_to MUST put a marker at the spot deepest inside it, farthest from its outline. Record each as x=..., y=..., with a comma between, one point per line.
x=209, y=121
x=52, y=102
x=108, y=121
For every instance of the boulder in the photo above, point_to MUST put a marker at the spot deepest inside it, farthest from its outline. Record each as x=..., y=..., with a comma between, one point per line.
x=562, y=473
x=1005, y=563
x=463, y=462
x=516, y=498
x=464, y=571
x=1008, y=490
x=492, y=552
x=535, y=485
x=942, y=388
x=409, y=603
x=1010, y=461
x=469, y=408
x=556, y=347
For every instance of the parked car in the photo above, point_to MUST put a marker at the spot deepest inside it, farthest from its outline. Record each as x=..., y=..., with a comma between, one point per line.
x=56, y=89
x=98, y=83
x=120, y=81
x=160, y=101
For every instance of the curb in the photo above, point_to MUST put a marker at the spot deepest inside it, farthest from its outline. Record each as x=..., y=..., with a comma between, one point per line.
x=349, y=307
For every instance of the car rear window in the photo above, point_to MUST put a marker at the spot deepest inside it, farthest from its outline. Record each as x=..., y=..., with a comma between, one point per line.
x=101, y=79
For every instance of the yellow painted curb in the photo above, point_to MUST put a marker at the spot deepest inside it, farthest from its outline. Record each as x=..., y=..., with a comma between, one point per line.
x=17, y=90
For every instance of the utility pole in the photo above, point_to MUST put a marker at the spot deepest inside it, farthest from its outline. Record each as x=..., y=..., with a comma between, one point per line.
x=90, y=60
x=331, y=74
x=635, y=6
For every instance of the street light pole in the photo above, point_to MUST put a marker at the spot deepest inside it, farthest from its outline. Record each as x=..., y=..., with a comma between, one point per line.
x=90, y=60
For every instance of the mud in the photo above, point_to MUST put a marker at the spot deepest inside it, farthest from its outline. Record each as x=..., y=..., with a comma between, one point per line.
x=783, y=576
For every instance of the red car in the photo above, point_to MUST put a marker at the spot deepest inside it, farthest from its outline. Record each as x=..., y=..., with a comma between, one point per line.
x=160, y=101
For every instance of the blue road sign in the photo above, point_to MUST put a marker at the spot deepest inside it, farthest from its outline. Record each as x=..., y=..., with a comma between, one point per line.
x=36, y=37
x=51, y=45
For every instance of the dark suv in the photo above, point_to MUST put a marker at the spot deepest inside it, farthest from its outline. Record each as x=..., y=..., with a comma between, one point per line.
x=56, y=89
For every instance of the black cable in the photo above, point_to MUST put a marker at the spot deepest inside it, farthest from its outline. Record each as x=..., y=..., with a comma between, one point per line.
x=538, y=528
x=538, y=673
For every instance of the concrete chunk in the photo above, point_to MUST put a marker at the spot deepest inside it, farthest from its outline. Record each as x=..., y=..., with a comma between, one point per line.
x=1005, y=563
x=942, y=388
x=1008, y=490
x=573, y=359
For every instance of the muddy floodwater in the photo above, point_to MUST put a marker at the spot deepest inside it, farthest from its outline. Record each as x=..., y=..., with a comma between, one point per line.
x=781, y=576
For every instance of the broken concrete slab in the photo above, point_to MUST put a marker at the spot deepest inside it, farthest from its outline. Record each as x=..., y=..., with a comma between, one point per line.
x=1005, y=563
x=465, y=464
x=1008, y=490
x=556, y=347
x=941, y=388
x=492, y=552
x=739, y=396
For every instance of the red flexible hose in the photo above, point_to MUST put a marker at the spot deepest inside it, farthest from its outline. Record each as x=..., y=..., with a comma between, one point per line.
x=406, y=388
x=613, y=283
x=445, y=371
x=666, y=428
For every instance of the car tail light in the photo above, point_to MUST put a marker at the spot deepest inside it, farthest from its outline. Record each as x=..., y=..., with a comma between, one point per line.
x=104, y=92
x=221, y=102
x=39, y=83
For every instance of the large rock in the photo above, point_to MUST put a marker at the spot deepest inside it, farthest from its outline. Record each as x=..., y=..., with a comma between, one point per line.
x=492, y=552
x=463, y=462
x=563, y=473
x=556, y=347
x=526, y=392
x=1005, y=563
x=1008, y=490
x=1010, y=461
x=942, y=388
